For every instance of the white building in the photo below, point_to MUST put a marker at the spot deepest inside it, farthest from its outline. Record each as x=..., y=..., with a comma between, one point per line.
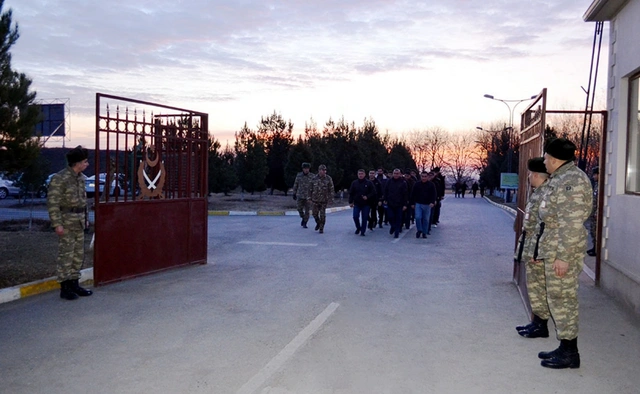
x=620, y=254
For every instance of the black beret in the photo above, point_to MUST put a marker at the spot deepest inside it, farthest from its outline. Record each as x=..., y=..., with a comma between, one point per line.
x=77, y=154
x=595, y=170
x=561, y=149
x=306, y=165
x=537, y=165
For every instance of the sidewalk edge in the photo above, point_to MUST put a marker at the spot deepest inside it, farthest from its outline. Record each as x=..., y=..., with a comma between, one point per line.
x=40, y=286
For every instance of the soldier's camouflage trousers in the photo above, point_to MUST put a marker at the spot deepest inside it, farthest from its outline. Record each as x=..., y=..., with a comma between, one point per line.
x=304, y=205
x=562, y=297
x=320, y=213
x=536, y=287
x=70, y=255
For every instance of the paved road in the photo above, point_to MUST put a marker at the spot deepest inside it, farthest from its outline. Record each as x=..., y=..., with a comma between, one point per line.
x=280, y=309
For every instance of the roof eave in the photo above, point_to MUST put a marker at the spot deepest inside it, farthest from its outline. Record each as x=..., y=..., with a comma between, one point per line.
x=603, y=10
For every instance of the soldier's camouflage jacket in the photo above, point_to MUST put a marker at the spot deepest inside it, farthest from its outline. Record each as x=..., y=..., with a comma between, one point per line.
x=322, y=190
x=564, y=207
x=66, y=192
x=530, y=222
x=302, y=185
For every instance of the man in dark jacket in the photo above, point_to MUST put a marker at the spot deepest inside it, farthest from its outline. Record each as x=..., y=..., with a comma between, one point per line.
x=408, y=215
x=423, y=198
x=439, y=181
x=382, y=211
x=396, y=197
x=360, y=192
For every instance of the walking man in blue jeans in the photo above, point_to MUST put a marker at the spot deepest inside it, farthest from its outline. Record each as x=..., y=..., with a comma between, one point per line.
x=423, y=198
x=361, y=193
x=396, y=197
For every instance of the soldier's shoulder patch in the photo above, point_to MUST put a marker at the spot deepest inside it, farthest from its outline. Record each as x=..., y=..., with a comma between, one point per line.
x=567, y=188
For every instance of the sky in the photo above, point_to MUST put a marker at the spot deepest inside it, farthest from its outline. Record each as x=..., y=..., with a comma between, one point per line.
x=408, y=65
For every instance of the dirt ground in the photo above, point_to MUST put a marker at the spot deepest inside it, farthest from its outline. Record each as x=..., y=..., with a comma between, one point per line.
x=27, y=256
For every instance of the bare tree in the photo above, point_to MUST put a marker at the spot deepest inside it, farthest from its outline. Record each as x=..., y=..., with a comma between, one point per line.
x=460, y=155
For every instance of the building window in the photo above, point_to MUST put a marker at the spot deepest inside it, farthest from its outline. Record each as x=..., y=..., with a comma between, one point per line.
x=633, y=137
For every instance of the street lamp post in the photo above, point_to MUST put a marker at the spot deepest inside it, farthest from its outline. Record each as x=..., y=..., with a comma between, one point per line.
x=509, y=145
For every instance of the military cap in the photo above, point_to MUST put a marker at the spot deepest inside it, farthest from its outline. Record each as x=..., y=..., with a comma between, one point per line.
x=561, y=149
x=306, y=165
x=322, y=167
x=77, y=154
x=536, y=165
x=595, y=170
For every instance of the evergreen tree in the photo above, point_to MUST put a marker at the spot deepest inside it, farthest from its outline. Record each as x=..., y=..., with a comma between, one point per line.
x=299, y=153
x=18, y=115
x=222, y=172
x=251, y=160
x=400, y=157
x=276, y=135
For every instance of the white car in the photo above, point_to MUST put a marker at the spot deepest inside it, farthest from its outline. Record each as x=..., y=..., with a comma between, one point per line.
x=7, y=188
x=116, y=189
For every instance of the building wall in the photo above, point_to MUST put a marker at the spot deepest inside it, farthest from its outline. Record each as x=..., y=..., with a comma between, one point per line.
x=620, y=270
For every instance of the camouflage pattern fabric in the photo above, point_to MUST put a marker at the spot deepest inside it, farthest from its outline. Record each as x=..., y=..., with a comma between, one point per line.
x=593, y=220
x=565, y=206
x=302, y=189
x=536, y=286
x=67, y=191
x=322, y=193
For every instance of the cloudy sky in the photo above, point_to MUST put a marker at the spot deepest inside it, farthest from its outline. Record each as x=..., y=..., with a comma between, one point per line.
x=406, y=64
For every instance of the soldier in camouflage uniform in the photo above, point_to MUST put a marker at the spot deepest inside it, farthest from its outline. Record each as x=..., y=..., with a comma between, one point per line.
x=67, y=205
x=301, y=192
x=322, y=193
x=593, y=220
x=536, y=289
x=565, y=206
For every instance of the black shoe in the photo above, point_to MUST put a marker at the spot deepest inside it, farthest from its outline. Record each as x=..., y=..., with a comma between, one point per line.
x=317, y=227
x=380, y=225
x=362, y=234
x=407, y=226
x=591, y=252
x=562, y=359
x=302, y=223
x=391, y=230
x=396, y=236
x=82, y=292
x=424, y=235
x=321, y=231
x=418, y=233
x=66, y=292
x=357, y=231
x=534, y=331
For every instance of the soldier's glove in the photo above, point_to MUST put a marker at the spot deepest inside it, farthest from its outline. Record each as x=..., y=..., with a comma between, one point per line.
x=295, y=197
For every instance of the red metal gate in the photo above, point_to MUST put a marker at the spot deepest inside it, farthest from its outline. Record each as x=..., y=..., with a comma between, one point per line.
x=150, y=188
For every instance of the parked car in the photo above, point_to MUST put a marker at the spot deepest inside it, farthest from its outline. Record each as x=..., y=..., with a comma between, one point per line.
x=43, y=191
x=7, y=188
x=117, y=187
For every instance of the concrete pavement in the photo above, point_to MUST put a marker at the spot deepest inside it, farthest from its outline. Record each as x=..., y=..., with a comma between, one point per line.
x=281, y=309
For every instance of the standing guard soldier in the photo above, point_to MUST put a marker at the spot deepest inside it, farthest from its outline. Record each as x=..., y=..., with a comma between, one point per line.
x=302, y=192
x=322, y=193
x=565, y=206
x=67, y=205
x=538, y=328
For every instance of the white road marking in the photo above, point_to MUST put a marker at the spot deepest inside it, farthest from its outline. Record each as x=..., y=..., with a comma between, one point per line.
x=403, y=233
x=275, y=243
x=285, y=354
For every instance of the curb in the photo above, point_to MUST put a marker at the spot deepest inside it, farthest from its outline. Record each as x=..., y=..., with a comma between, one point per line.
x=269, y=213
x=40, y=286
x=506, y=208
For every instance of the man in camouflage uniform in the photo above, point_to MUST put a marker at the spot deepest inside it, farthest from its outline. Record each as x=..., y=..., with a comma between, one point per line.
x=536, y=289
x=322, y=193
x=301, y=192
x=593, y=220
x=564, y=208
x=67, y=205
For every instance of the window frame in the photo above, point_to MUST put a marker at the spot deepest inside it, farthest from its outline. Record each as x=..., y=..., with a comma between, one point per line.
x=633, y=119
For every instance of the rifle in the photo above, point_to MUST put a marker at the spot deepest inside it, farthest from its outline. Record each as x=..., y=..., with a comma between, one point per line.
x=521, y=246
x=535, y=251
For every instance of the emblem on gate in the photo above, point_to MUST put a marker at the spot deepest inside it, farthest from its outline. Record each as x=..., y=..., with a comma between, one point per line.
x=151, y=185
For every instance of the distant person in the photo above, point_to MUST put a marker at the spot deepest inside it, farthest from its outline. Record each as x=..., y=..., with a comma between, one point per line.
x=382, y=211
x=396, y=197
x=322, y=193
x=474, y=189
x=408, y=214
x=360, y=194
x=565, y=206
x=593, y=219
x=526, y=253
x=375, y=202
x=67, y=206
x=463, y=188
x=302, y=191
x=440, y=181
x=482, y=188
x=423, y=198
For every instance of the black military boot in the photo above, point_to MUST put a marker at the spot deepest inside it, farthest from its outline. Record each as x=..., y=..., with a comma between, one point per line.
x=566, y=356
x=66, y=292
x=75, y=287
x=536, y=329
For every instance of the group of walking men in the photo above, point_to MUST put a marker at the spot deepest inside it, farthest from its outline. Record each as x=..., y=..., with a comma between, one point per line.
x=396, y=199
